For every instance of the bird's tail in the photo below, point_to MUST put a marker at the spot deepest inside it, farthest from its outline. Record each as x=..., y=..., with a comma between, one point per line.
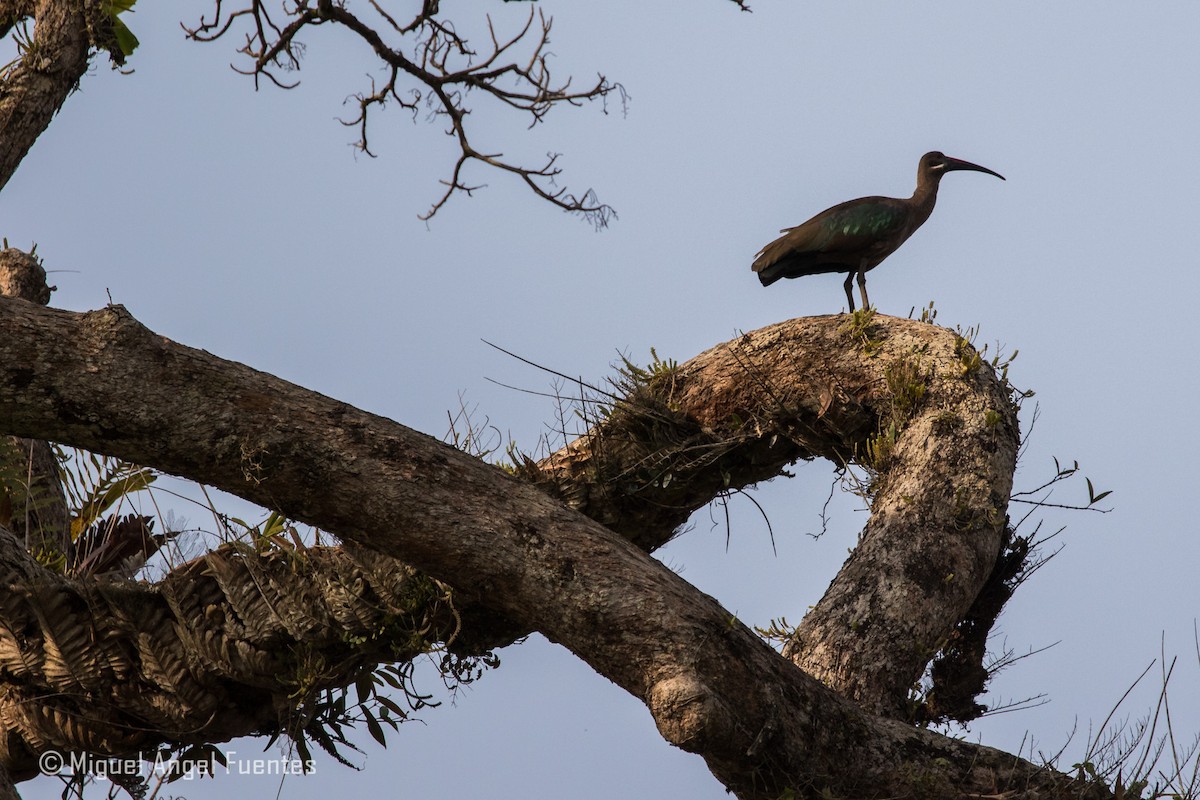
x=770, y=269
x=769, y=274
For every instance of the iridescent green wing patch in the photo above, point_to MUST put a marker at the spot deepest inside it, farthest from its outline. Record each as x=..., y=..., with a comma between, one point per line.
x=856, y=226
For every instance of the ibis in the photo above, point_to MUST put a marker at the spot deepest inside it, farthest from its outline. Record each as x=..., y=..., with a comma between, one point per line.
x=856, y=236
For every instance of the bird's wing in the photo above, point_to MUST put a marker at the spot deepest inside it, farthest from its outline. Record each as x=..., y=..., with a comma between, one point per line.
x=836, y=240
x=849, y=226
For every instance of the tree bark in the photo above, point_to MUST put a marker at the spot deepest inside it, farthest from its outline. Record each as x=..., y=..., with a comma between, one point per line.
x=33, y=91
x=32, y=501
x=806, y=387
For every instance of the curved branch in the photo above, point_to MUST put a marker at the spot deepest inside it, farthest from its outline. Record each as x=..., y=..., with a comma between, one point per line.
x=763, y=725
x=939, y=437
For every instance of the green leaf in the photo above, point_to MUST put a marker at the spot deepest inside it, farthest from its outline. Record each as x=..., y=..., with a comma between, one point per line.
x=93, y=492
x=125, y=38
x=1094, y=498
x=374, y=728
x=365, y=685
x=391, y=679
x=391, y=706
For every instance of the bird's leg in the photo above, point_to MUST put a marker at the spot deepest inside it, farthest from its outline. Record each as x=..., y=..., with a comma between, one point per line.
x=862, y=287
x=849, y=290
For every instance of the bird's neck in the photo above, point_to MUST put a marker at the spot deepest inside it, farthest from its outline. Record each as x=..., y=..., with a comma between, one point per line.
x=924, y=197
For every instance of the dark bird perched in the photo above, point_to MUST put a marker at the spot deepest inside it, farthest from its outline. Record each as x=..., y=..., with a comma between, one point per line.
x=857, y=235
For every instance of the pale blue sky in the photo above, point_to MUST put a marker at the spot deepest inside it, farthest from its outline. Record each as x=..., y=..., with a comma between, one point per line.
x=243, y=223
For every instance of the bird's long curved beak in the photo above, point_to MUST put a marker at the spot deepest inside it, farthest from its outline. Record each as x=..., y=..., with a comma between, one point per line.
x=957, y=163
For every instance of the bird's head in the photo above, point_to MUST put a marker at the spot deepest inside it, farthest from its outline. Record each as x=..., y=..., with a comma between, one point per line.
x=935, y=165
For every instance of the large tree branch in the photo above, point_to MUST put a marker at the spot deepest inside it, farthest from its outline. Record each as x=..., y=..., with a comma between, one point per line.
x=244, y=640
x=35, y=87
x=50, y=64
x=911, y=401
x=714, y=688
x=32, y=501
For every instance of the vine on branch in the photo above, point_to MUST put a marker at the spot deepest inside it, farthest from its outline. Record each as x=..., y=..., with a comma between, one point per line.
x=427, y=64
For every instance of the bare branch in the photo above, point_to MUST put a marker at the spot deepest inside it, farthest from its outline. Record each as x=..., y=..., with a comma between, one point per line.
x=428, y=63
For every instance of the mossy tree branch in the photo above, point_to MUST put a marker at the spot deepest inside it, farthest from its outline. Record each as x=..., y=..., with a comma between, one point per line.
x=762, y=725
